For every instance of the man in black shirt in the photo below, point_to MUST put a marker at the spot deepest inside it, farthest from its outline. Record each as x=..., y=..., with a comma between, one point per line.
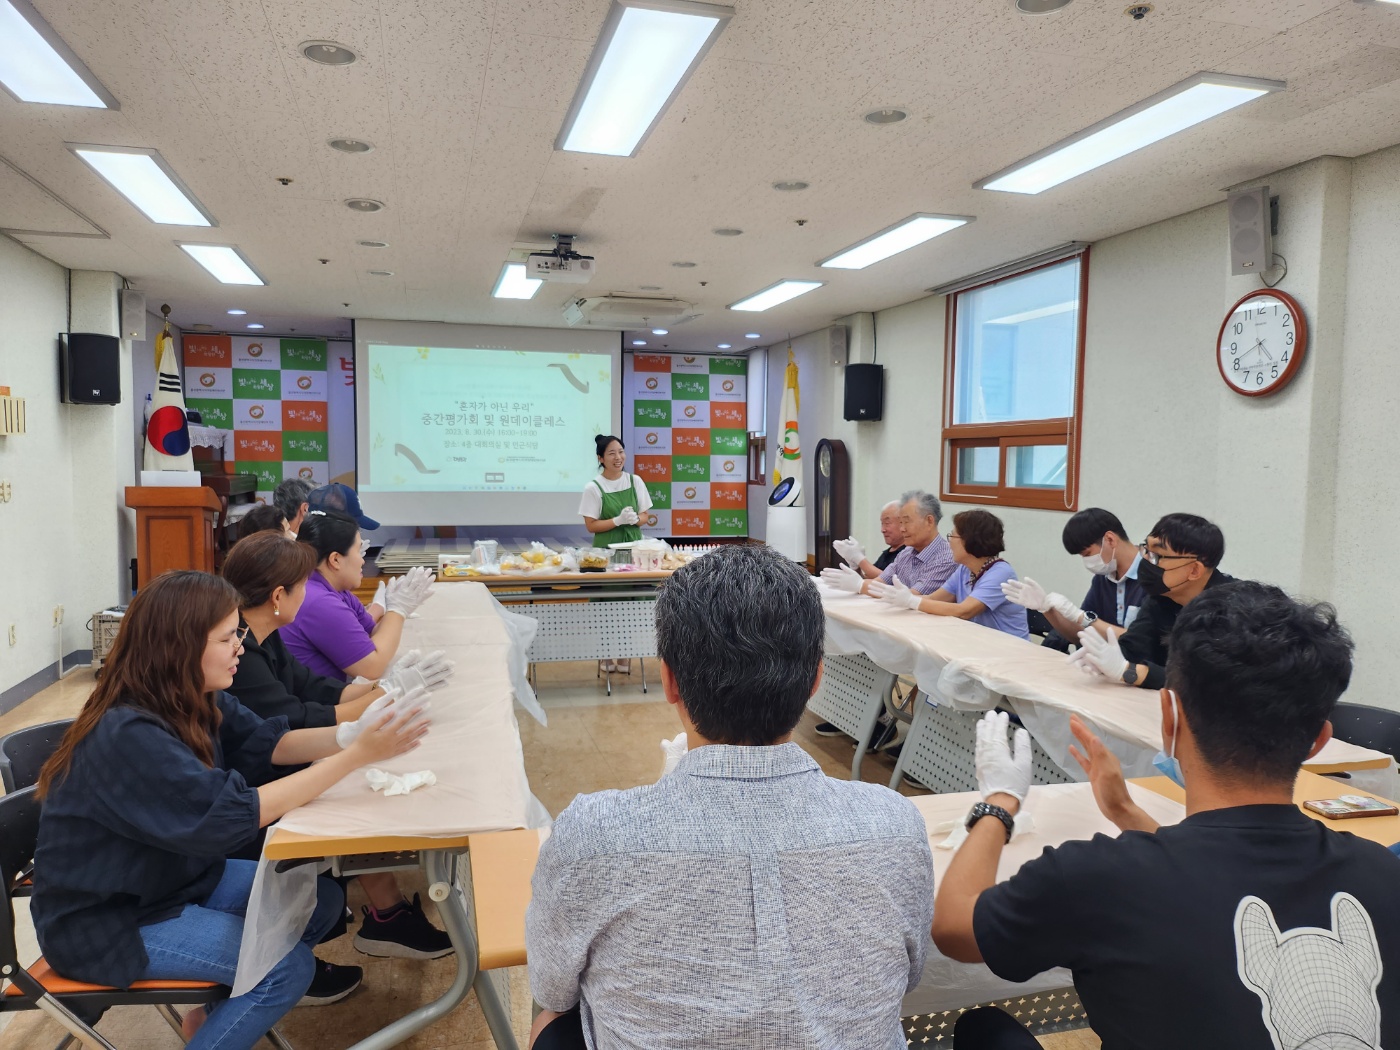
x=1179, y=563
x=853, y=553
x=1248, y=925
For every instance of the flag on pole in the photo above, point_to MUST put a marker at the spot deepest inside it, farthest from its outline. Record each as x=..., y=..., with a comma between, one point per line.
x=167, y=432
x=789, y=463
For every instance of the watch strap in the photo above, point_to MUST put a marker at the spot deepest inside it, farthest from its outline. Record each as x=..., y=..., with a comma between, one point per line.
x=1130, y=675
x=986, y=809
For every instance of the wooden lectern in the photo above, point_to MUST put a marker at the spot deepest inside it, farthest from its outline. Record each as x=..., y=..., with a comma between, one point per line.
x=174, y=529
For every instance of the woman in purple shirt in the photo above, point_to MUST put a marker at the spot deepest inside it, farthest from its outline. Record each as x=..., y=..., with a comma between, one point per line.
x=973, y=592
x=333, y=634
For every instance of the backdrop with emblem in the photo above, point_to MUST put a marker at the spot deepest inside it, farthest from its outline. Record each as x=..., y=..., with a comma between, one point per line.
x=273, y=394
x=686, y=430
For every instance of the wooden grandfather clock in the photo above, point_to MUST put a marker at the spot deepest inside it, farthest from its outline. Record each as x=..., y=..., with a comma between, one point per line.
x=833, y=500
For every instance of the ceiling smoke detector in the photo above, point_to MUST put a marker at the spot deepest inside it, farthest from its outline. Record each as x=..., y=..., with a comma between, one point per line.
x=1040, y=7
x=888, y=115
x=350, y=145
x=328, y=53
x=364, y=204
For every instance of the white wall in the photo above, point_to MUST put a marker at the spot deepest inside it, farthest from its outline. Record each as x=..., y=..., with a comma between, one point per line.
x=1300, y=482
x=62, y=535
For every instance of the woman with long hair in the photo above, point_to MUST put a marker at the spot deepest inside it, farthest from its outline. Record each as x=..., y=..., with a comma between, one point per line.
x=153, y=786
x=334, y=635
x=271, y=573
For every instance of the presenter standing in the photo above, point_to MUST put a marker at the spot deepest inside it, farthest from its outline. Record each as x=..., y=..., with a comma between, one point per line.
x=612, y=506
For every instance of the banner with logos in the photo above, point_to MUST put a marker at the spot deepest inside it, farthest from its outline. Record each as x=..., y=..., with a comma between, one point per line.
x=272, y=393
x=689, y=441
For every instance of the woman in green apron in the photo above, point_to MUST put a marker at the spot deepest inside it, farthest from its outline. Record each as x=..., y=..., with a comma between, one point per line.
x=613, y=506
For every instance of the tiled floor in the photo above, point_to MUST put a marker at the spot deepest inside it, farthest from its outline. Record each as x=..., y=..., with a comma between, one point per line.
x=593, y=742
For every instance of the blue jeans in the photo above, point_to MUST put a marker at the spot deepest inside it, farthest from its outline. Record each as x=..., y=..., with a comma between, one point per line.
x=1395, y=849
x=201, y=944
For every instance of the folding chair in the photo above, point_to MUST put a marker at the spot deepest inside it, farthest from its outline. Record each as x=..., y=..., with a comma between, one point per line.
x=38, y=987
x=24, y=752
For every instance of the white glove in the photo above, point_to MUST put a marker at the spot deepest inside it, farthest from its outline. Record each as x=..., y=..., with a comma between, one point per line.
x=895, y=593
x=672, y=752
x=626, y=516
x=843, y=579
x=414, y=669
x=1032, y=595
x=346, y=732
x=1100, y=655
x=850, y=550
x=1001, y=770
x=405, y=593
x=379, y=595
x=392, y=784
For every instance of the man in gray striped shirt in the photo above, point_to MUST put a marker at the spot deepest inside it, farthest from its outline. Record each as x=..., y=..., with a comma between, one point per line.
x=746, y=899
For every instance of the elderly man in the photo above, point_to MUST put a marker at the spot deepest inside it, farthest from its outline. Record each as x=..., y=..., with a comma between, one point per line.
x=745, y=899
x=290, y=498
x=853, y=553
x=923, y=564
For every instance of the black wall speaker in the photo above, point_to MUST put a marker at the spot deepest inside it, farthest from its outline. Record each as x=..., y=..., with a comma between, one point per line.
x=865, y=392
x=89, y=369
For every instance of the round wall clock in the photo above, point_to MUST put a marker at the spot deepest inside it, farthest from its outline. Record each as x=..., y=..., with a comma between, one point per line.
x=1262, y=342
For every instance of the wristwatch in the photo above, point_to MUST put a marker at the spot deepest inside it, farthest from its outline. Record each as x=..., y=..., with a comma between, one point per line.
x=986, y=809
x=1130, y=676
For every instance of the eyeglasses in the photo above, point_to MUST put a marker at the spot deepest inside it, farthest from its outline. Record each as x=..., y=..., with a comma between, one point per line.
x=239, y=633
x=1153, y=558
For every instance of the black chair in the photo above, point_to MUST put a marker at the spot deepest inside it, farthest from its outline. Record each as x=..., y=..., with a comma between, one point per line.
x=24, y=752
x=38, y=987
x=1373, y=727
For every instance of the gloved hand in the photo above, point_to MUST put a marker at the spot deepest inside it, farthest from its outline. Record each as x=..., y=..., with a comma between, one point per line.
x=626, y=516
x=843, y=579
x=1000, y=769
x=414, y=669
x=672, y=751
x=895, y=593
x=407, y=592
x=852, y=553
x=1032, y=595
x=394, y=702
x=379, y=596
x=1100, y=655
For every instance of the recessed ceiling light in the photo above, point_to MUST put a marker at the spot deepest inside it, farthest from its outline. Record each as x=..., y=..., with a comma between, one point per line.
x=648, y=287
x=900, y=237
x=381, y=273
x=364, y=204
x=885, y=116
x=727, y=231
x=639, y=342
x=1179, y=107
x=255, y=326
x=373, y=244
x=1040, y=7
x=775, y=294
x=328, y=53
x=660, y=331
x=723, y=346
x=752, y=335
x=683, y=265
x=350, y=145
x=513, y=284
x=37, y=66
x=790, y=187
x=237, y=313
x=642, y=57
x=144, y=178
x=223, y=261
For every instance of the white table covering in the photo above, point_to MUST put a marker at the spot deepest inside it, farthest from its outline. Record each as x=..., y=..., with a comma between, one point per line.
x=972, y=668
x=212, y=437
x=473, y=748
x=1062, y=812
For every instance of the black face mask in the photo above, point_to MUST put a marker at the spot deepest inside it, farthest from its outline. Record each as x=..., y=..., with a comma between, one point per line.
x=1151, y=578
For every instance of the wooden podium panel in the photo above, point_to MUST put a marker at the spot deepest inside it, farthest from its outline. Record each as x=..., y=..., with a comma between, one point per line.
x=174, y=529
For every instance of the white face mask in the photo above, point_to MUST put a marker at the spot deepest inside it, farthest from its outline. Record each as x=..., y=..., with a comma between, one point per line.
x=1096, y=564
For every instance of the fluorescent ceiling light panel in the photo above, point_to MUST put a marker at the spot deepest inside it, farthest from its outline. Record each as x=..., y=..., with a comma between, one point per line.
x=900, y=237
x=143, y=178
x=778, y=293
x=226, y=263
x=1191, y=102
x=37, y=66
x=513, y=284
x=644, y=54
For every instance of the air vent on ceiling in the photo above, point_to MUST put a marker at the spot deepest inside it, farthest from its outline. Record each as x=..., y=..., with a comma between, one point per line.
x=627, y=311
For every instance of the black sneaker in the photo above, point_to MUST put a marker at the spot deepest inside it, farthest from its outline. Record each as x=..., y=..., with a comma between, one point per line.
x=402, y=932
x=827, y=729
x=331, y=984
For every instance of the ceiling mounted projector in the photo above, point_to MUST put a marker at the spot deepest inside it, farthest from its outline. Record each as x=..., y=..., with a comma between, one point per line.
x=563, y=265
x=627, y=311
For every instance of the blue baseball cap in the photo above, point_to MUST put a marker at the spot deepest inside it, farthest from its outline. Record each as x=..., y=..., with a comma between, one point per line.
x=343, y=498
